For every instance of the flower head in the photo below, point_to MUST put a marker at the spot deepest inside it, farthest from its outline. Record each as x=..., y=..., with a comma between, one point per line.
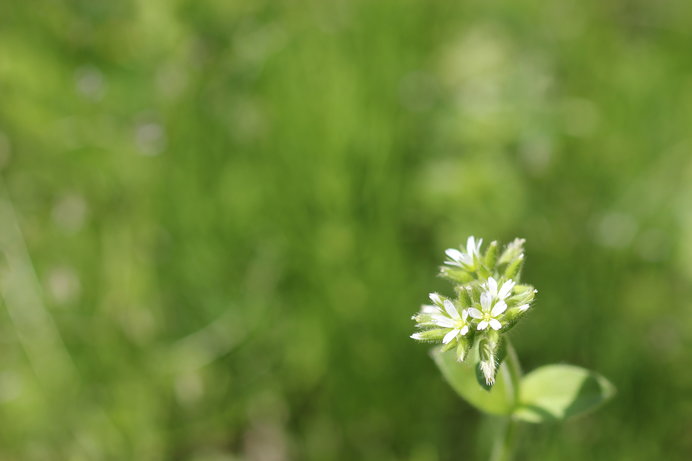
x=461, y=259
x=490, y=301
x=443, y=319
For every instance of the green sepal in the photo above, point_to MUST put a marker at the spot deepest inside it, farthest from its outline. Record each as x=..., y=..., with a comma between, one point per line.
x=514, y=268
x=464, y=296
x=456, y=275
x=491, y=353
x=463, y=346
x=449, y=346
x=512, y=251
x=435, y=334
x=490, y=257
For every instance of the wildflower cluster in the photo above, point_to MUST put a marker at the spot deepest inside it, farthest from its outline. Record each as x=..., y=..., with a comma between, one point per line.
x=489, y=301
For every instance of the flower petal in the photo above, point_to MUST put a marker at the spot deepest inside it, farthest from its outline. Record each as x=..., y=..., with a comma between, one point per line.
x=464, y=314
x=442, y=321
x=485, y=301
x=475, y=313
x=428, y=309
x=451, y=310
x=450, y=336
x=523, y=307
x=483, y=325
x=464, y=330
x=492, y=287
x=470, y=245
x=495, y=324
x=499, y=308
x=453, y=254
x=506, y=289
x=434, y=297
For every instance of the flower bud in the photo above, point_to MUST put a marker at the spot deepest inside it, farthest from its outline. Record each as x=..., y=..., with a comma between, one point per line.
x=490, y=257
x=512, y=251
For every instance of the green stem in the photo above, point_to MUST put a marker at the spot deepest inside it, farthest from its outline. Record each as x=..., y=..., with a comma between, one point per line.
x=505, y=440
x=505, y=437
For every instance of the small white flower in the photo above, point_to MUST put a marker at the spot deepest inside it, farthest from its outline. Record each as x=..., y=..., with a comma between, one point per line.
x=493, y=304
x=447, y=318
x=461, y=259
x=456, y=322
x=504, y=291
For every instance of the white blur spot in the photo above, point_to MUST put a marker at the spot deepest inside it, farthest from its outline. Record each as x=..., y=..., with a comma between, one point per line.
x=616, y=230
x=536, y=152
x=63, y=285
x=90, y=83
x=150, y=138
x=189, y=388
x=69, y=213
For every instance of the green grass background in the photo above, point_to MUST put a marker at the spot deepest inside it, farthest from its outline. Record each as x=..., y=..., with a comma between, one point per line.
x=217, y=217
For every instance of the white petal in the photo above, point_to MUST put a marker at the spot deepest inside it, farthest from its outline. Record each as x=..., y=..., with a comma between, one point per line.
x=499, y=308
x=434, y=297
x=417, y=336
x=495, y=324
x=451, y=310
x=492, y=287
x=478, y=245
x=485, y=301
x=443, y=321
x=453, y=263
x=475, y=313
x=523, y=307
x=456, y=255
x=464, y=314
x=464, y=330
x=470, y=245
x=483, y=325
x=505, y=290
x=450, y=336
x=428, y=309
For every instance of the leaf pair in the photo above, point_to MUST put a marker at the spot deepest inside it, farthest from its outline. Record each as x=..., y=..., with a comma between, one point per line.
x=548, y=394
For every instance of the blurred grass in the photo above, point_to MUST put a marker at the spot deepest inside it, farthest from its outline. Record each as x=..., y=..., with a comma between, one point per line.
x=232, y=209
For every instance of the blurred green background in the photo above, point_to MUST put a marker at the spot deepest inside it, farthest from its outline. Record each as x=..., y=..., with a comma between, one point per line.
x=217, y=217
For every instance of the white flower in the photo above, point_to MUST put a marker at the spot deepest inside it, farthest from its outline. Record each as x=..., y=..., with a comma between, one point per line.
x=493, y=304
x=447, y=318
x=503, y=293
x=459, y=258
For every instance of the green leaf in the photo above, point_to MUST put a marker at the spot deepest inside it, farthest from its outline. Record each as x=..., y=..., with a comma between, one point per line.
x=559, y=392
x=462, y=377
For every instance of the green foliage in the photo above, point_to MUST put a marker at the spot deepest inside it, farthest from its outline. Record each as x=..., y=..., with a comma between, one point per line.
x=548, y=394
x=500, y=400
x=228, y=207
x=559, y=392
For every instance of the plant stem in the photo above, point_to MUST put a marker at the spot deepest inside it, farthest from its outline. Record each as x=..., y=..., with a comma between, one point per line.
x=505, y=437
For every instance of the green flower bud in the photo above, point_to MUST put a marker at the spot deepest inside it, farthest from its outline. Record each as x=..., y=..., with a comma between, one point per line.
x=512, y=251
x=463, y=347
x=490, y=354
x=490, y=257
x=514, y=268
